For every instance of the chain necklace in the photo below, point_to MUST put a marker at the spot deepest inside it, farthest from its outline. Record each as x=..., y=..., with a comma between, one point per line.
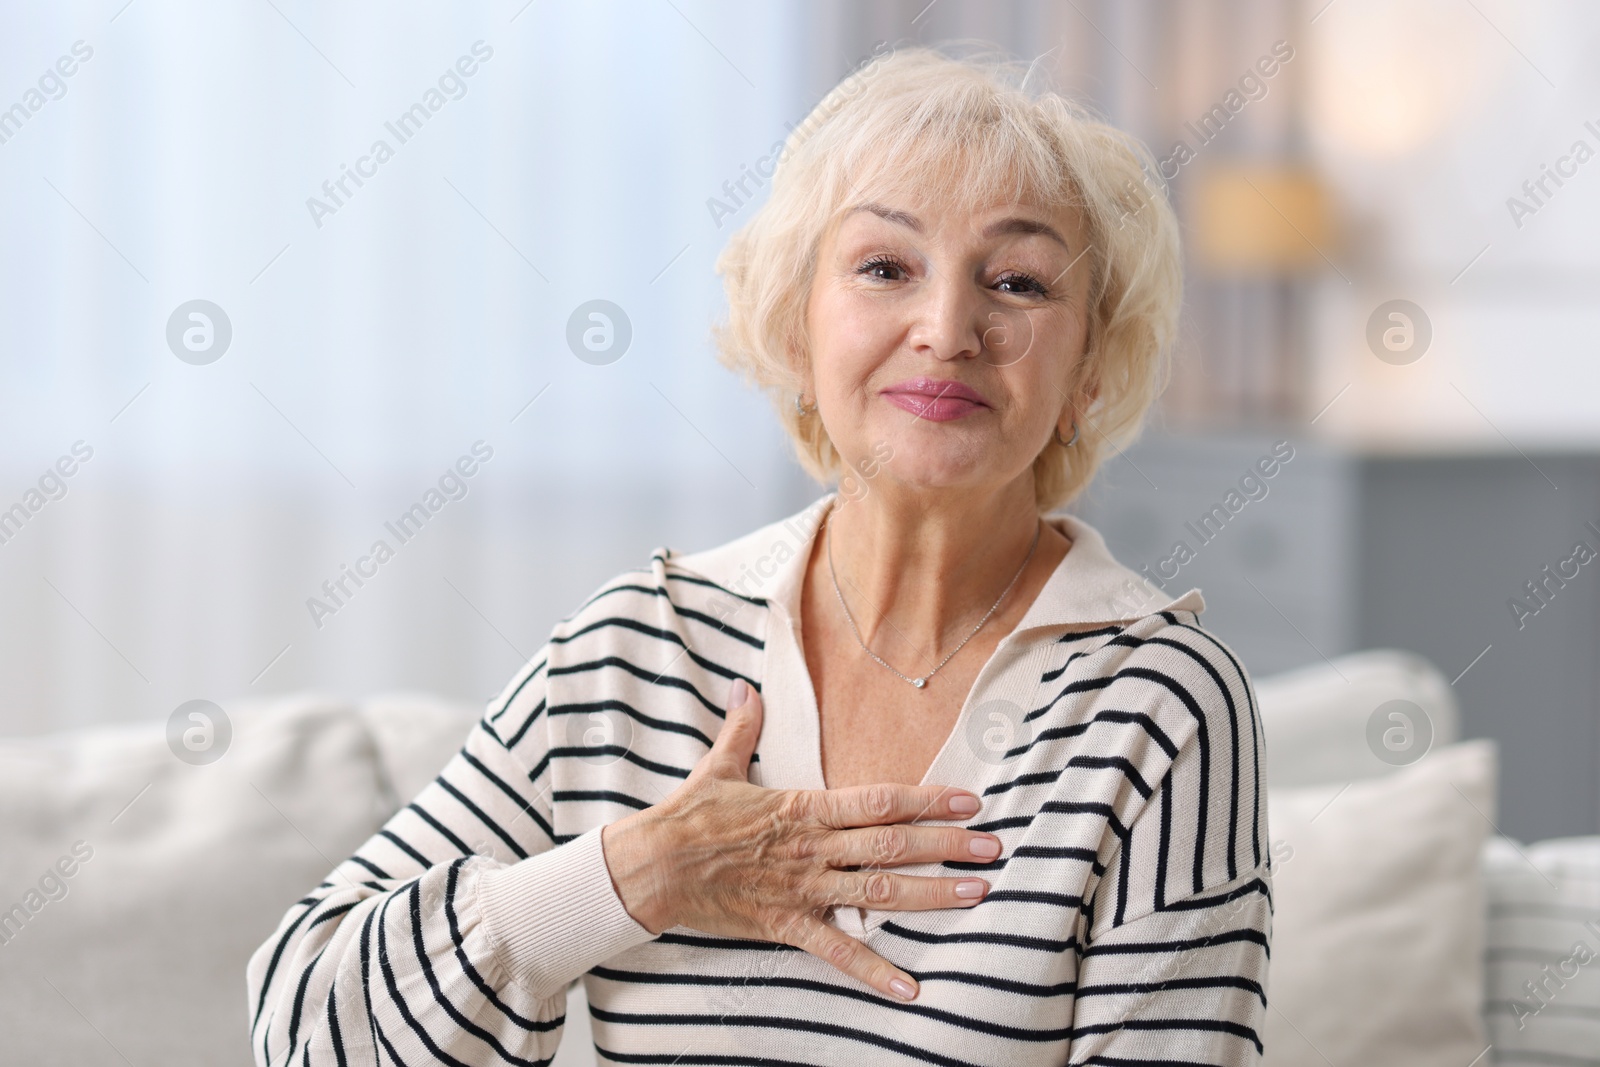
x=923, y=681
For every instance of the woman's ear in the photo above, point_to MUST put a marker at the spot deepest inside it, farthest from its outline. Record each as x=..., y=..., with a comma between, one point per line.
x=1088, y=390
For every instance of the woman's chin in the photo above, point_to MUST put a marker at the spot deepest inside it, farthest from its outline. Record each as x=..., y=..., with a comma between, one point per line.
x=928, y=475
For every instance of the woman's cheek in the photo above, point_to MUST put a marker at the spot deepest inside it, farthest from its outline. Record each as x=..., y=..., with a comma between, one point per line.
x=1009, y=338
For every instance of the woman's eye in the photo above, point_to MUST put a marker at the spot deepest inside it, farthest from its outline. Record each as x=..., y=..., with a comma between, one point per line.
x=1020, y=283
x=883, y=269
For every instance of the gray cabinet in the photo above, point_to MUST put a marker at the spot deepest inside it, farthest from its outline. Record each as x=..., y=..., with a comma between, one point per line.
x=1339, y=551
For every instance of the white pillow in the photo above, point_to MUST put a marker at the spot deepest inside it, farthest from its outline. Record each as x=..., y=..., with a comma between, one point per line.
x=1378, y=925
x=148, y=936
x=416, y=735
x=1316, y=719
x=1544, y=929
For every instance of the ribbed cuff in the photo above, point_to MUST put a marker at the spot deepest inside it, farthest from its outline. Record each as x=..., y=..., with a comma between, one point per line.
x=553, y=916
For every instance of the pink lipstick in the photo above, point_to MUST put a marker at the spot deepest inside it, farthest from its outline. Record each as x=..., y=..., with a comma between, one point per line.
x=935, y=399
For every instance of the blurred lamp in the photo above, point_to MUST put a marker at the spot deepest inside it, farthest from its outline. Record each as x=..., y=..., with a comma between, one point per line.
x=1261, y=219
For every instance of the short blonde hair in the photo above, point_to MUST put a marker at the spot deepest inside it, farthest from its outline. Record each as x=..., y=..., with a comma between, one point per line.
x=916, y=119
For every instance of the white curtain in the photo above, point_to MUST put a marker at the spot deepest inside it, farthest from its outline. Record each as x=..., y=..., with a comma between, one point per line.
x=372, y=346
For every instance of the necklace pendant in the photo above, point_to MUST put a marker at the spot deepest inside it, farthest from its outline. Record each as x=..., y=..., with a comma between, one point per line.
x=921, y=683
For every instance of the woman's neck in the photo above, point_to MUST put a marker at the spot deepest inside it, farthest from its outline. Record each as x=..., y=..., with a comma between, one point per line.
x=918, y=570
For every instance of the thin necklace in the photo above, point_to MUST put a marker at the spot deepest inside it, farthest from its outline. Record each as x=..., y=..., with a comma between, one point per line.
x=923, y=681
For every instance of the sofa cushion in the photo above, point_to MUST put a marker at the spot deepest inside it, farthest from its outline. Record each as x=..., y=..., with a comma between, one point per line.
x=1377, y=953
x=415, y=735
x=1543, y=972
x=1319, y=720
x=177, y=871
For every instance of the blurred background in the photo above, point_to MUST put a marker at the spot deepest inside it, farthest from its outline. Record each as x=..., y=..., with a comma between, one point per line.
x=1391, y=231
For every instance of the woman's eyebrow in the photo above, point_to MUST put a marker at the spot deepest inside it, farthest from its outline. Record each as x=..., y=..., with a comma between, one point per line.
x=1018, y=224
x=889, y=214
x=1014, y=224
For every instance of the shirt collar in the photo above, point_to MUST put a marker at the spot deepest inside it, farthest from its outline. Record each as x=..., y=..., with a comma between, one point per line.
x=1088, y=587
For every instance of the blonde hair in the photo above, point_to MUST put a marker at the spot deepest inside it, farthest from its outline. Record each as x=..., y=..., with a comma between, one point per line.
x=919, y=119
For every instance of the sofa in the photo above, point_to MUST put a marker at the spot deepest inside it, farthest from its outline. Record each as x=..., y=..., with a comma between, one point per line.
x=134, y=885
x=1406, y=930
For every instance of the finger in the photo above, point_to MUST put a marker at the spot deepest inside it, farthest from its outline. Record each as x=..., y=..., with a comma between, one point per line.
x=741, y=729
x=839, y=949
x=883, y=891
x=886, y=802
x=899, y=843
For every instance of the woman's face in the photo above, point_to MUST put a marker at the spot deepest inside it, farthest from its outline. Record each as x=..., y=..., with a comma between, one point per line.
x=942, y=339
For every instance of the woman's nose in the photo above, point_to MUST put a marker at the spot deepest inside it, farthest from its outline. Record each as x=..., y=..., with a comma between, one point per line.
x=948, y=321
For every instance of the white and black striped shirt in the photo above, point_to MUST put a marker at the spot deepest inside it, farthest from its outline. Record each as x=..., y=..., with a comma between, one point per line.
x=1116, y=745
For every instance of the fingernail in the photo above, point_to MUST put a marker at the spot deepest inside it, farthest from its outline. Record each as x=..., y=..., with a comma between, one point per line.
x=964, y=804
x=969, y=888
x=984, y=847
x=903, y=989
x=738, y=694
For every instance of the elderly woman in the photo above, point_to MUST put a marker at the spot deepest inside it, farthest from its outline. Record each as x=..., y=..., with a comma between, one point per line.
x=916, y=776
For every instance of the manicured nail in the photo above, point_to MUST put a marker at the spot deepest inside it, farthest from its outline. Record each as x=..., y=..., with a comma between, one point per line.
x=964, y=804
x=968, y=888
x=903, y=989
x=738, y=694
x=986, y=848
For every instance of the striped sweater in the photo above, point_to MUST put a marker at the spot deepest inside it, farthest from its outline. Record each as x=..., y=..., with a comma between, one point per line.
x=1115, y=742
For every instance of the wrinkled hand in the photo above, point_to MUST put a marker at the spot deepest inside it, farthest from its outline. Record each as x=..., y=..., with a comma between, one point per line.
x=731, y=858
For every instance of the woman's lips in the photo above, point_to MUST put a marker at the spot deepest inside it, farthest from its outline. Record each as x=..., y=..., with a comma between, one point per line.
x=934, y=399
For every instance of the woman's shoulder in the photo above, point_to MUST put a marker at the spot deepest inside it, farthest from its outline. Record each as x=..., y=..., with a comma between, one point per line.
x=661, y=599
x=753, y=567
x=654, y=650
x=714, y=595
x=1181, y=673
x=738, y=578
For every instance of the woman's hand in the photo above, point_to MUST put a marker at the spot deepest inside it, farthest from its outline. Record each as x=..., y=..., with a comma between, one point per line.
x=731, y=858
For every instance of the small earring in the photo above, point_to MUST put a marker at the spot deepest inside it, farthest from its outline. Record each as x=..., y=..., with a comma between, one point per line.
x=800, y=407
x=1067, y=444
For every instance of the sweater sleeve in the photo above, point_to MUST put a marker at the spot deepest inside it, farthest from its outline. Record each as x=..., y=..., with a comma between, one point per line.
x=1182, y=986
x=1173, y=968
x=450, y=936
